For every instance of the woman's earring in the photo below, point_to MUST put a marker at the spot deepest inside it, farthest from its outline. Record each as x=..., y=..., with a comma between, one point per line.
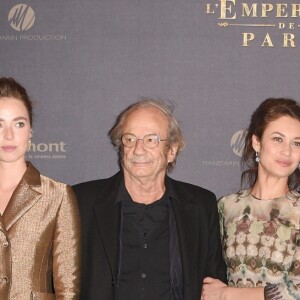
x=256, y=157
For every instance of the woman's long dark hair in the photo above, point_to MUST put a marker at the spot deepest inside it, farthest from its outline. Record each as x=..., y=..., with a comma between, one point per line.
x=269, y=110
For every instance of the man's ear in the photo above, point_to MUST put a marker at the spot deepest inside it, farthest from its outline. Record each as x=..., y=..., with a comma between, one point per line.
x=172, y=152
x=255, y=143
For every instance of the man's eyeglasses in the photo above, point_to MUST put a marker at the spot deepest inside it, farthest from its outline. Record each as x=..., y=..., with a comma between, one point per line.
x=150, y=141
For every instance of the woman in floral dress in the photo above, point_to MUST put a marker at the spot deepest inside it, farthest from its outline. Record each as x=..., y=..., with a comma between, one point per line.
x=260, y=225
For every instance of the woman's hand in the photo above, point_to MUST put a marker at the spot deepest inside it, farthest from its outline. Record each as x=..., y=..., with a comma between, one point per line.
x=213, y=289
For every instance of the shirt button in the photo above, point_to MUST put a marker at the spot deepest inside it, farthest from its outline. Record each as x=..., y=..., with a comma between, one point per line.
x=4, y=279
x=145, y=246
x=5, y=244
x=143, y=275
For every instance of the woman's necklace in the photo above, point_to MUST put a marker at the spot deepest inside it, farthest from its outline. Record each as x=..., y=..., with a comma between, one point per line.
x=257, y=198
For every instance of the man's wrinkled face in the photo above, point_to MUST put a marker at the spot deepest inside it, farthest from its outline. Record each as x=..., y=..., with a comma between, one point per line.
x=140, y=162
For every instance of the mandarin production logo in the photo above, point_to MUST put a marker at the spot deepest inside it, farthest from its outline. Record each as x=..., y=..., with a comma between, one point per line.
x=258, y=21
x=238, y=142
x=21, y=17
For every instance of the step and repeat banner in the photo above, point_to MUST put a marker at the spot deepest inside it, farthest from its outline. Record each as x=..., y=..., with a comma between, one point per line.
x=82, y=62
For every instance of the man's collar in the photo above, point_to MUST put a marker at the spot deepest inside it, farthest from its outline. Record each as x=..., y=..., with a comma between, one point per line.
x=170, y=189
x=122, y=193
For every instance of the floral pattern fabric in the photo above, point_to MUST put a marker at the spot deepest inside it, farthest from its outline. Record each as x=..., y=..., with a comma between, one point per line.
x=261, y=243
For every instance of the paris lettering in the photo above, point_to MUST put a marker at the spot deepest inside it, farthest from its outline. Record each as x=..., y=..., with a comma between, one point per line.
x=258, y=15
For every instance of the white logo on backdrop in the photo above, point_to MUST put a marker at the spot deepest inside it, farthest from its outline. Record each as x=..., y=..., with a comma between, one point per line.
x=238, y=142
x=47, y=151
x=21, y=17
x=258, y=21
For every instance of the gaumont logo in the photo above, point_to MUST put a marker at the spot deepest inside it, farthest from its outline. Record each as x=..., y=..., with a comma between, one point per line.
x=238, y=142
x=262, y=23
x=47, y=150
x=21, y=17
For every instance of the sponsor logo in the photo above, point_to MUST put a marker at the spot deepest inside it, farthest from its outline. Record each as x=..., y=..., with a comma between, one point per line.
x=220, y=163
x=21, y=17
x=238, y=142
x=261, y=23
x=47, y=151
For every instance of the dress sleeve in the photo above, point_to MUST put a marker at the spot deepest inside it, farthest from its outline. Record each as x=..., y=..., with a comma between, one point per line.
x=66, y=249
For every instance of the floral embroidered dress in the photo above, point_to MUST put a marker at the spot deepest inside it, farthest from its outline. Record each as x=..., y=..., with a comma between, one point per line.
x=261, y=242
